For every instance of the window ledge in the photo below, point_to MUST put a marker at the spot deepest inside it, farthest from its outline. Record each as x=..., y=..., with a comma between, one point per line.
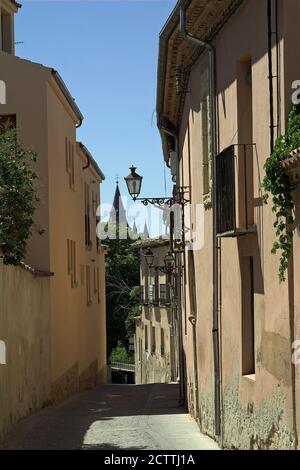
x=250, y=377
x=238, y=232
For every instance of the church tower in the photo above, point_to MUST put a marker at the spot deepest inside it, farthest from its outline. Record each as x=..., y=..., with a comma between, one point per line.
x=118, y=213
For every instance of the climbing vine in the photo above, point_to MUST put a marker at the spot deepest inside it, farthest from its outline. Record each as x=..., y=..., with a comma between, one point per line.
x=277, y=183
x=18, y=197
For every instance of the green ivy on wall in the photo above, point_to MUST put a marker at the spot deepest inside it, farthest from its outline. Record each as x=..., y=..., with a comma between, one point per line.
x=277, y=183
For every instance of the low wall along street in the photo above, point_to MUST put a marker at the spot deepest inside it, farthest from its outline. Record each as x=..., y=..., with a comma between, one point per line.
x=24, y=344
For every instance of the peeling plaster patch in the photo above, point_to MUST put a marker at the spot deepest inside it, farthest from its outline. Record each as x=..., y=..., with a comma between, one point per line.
x=275, y=356
x=207, y=407
x=263, y=427
x=155, y=369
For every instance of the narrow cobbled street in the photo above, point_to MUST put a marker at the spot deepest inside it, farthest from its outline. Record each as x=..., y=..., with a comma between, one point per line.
x=113, y=417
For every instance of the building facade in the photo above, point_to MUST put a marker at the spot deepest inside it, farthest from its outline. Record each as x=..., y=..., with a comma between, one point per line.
x=225, y=82
x=155, y=342
x=46, y=117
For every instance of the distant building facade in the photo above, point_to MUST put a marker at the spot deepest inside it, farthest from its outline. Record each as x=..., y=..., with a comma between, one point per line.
x=156, y=338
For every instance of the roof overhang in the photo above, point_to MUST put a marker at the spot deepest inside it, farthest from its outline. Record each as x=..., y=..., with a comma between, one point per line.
x=11, y=5
x=204, y=18
x=91, y=161
x=71, y=101
x=151, y=243
x=18, y=5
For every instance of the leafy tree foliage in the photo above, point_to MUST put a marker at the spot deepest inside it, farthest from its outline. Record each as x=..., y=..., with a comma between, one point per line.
x=18, y=197
x=122, y=275
x=120, y=354
x=133, y=312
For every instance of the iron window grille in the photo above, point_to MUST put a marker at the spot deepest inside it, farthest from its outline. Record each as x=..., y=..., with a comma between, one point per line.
x=234, y=191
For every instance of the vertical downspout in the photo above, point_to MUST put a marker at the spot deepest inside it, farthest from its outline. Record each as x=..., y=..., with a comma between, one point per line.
x=215, y=320
x=182, y=397
x=270, y=77
x=278, y=69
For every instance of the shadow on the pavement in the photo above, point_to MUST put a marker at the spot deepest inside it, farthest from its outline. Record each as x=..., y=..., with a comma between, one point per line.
x=65, y=425
x=135, y=400
x=107, y=446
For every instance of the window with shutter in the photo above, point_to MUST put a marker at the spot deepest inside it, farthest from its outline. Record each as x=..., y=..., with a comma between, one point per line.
x=151, y=293
x=8, y=121
x=70, y=162
x=162, y=293
x=88, y=285
x=162, y=341
x=153, y=340
x=71, y=262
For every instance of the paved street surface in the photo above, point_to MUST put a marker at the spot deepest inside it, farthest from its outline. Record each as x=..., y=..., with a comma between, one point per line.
x=113, y=417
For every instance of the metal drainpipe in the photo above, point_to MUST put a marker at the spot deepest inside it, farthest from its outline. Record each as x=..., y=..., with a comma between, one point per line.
x=182, y=397
x=270, y=77
x=215, y=325
x=193, y=321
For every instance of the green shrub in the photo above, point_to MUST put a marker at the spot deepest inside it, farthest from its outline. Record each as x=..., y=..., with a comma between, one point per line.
x=18, y=197
x=277, y=183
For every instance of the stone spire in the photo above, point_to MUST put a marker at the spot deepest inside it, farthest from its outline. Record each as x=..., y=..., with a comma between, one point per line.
x=134, y=228
x=146, y=231
x=118, y=213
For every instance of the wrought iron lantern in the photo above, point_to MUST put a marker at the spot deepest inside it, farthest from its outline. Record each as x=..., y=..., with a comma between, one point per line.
x=134, y=183
x=149, y=257
x=169, y=262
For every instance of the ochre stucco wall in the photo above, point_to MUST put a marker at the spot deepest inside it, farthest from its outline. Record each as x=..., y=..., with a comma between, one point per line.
x=44, y=120
x=26, y=97
x=79, y=333
x=152, y=366
x=25, y=329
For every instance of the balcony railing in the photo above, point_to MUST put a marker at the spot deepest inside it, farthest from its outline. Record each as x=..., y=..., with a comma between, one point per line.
x=124, y=366
x=234, y=191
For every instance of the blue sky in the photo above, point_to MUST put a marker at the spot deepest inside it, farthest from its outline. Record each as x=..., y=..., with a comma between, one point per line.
x=106, y=52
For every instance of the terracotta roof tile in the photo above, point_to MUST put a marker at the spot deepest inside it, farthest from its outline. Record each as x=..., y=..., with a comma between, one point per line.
x=36, y=272
x=16, y=3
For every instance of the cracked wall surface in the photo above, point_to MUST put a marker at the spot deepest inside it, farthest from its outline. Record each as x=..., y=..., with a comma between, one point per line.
x=256, y=426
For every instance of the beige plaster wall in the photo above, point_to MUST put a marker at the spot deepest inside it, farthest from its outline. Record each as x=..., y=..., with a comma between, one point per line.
x=154, y=367
x=26, y=97
x=25, y=329
x=256, y=412
x=44, y=120
x=78, y=340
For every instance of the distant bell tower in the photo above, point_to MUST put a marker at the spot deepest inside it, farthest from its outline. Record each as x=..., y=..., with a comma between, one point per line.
x=118, y=213
x=8, y=8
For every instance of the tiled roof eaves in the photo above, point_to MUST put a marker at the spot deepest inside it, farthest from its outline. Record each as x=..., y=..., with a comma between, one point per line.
x=36, y=272
x=18, y=5
x=164, y=36
x=150, y=243
x=92, y=160
x=67, y=95
x=167, y=32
